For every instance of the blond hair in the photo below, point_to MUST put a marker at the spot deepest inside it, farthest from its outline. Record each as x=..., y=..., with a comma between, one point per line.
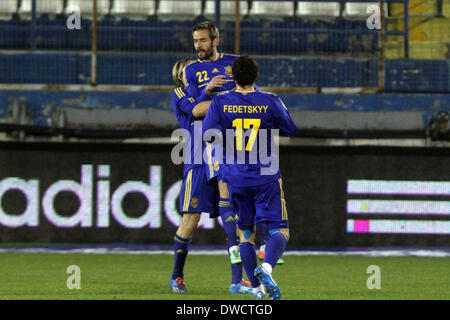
x=178, y=71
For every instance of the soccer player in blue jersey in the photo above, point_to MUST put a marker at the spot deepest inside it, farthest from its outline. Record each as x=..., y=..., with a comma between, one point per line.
x=196, y=195
x=206, y=77
x=256, y=186
x=211, y=73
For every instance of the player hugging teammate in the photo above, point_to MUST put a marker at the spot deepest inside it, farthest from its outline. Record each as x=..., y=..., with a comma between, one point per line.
x=251, y=192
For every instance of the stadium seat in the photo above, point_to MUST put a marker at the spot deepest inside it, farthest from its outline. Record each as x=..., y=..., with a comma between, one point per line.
x=51, y=7
x=7, y=8
x=86, y=7
x=323, y=9
x=134, y=9
x=272, y=8
x=51, y=33
x=180, y=8
x=16, y=33
x=360, y=9
x=250, y=31
x=81, y=39
x=227, y=9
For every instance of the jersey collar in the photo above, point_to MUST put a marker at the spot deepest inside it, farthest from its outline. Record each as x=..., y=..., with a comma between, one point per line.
x=245, y=91
x=220, y=57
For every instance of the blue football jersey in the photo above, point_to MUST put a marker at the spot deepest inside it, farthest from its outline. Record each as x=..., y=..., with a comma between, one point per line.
x=250, y=116
x=199, y=73
x=182, y=107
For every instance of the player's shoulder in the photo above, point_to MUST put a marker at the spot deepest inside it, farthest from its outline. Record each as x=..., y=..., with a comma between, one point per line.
x=178, y=92
x=269, y=95
x=276, y=99
x=228, y=56
x=177, y=95
x=193, y=66
x=219, y=97
x=272, y=97
x=223, y=93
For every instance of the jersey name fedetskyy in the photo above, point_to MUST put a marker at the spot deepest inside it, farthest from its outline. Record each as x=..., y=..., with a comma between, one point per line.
x=257, y=113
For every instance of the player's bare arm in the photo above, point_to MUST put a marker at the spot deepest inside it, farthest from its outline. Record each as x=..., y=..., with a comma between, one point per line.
x=201, y=109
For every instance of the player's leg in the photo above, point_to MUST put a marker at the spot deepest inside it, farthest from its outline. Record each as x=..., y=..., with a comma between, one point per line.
x=185, y=232
x=263, y=234
x=232, y=242
x=275, y=247
x=213, y=171
x=249, y=260
x=278, y=226
x=274, y=250
x=245, y=227
x=271, y=208
x=182, y=239
x=229, y=224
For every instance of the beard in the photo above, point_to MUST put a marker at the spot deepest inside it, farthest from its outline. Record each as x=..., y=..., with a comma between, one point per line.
x=204, y=54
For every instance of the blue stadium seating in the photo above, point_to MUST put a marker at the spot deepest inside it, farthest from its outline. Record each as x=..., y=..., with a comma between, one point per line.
x=79, y=39
x=44, y=68
x=161, y=42
x=290, y=35
x=422, y=75
x=154, y=69
x=49, y=34
x=14, y=33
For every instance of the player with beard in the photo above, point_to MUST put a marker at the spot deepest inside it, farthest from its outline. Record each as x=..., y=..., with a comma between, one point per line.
x=196, y=194
x=207, y=76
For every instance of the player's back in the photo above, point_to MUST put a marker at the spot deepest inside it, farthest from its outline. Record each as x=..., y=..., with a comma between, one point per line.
x=253, y=116
x=182, y=106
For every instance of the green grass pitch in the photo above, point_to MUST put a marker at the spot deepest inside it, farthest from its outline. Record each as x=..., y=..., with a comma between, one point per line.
x=127, y=276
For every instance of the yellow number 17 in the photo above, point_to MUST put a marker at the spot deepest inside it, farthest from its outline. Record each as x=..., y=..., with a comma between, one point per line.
x=240, y=124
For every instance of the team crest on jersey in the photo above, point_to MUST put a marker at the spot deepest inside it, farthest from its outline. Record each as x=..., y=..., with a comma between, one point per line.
x=194, y=203
x=215, y=70
x=228, y=71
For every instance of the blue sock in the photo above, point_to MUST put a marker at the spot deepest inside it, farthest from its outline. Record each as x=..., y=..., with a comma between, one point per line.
x=262, y=232
x=274, y=248
x=248, y=256
x=181, y=249
x=236, y=273
x=229, y=226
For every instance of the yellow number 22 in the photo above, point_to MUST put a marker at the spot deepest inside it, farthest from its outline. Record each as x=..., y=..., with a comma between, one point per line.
x=200, y=74
x=240, y=124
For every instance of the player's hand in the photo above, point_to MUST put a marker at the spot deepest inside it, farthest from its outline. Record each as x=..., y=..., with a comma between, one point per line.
x=216, y=82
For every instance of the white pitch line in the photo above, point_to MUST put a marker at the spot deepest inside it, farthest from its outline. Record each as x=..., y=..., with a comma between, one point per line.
x=365, y=253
